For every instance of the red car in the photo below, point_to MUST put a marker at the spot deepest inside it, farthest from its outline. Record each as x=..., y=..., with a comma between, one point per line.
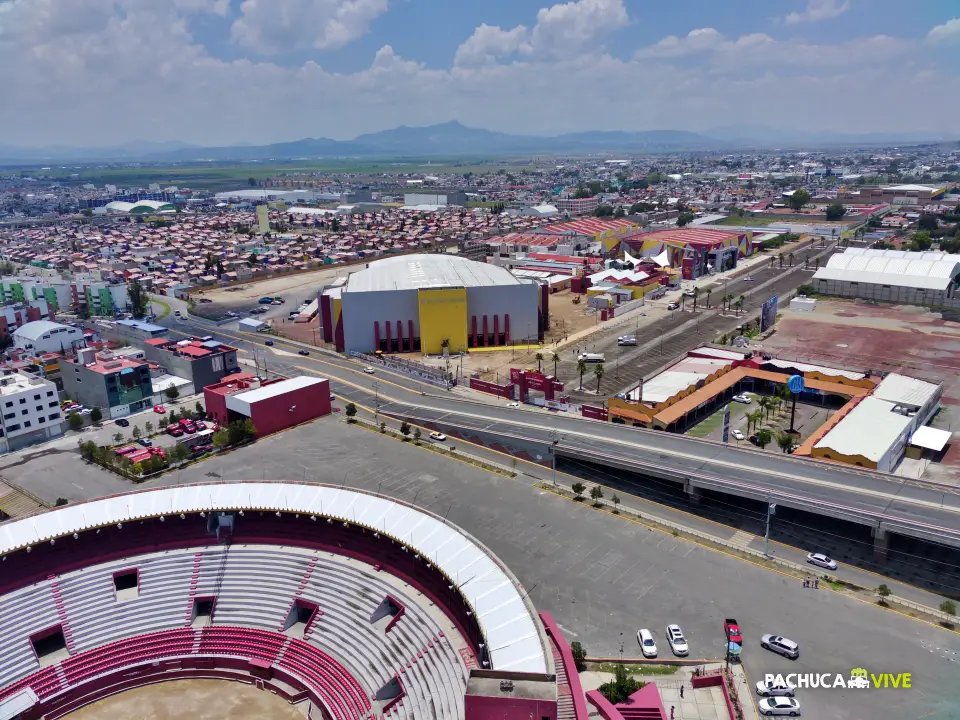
x=159, y=409
x=732, y=630
x=174, y=430
x=200, y=425
x=187, y=426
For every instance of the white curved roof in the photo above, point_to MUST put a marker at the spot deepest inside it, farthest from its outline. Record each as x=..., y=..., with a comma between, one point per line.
x=921, y=270
x=35, y=329
x=508, y=623
x=412, y=272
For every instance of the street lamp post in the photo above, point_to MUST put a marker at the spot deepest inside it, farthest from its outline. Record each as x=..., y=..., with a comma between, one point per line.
x=376, y=401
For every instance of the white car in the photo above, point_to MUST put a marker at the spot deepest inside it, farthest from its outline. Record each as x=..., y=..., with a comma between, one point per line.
x=821, y=560
x=737, y=434
x=628, y=340
x=438, y=436
x=513, y=404
x=647, y=646
x=774, y=689
x=368, y=370
x=745, y=399
x=678, y=643
x=780, y=706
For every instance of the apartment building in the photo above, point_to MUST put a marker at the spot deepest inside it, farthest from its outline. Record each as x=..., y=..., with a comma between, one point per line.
x=203, y=362
x=118, y=385
x=30, y=411
x=577, y=206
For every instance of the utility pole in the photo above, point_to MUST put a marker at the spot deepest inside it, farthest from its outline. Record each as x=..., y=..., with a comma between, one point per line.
x=376, y=401
x=771, y=509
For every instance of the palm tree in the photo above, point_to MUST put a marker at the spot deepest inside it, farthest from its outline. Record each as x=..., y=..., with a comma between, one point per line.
x=555, y=359
x=791, y=259
x=581, y=368
x=748, y=416
x=539, y=357
x=757, y=418
x=764, y=404
x=598, y=371
x=708, y=298
x=784, y=441
x=696, y=296
x=740, y=303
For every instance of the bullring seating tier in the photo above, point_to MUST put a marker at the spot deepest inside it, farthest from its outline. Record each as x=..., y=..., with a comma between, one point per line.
x=255, y=587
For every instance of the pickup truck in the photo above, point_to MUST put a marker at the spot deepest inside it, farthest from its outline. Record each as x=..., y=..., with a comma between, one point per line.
x=731, y=629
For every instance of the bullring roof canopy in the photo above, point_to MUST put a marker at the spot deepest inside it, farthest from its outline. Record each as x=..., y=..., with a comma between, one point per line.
x=412, y=272
x=499, y=604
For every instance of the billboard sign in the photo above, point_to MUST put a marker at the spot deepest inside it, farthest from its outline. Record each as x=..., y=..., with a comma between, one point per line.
x=768, y=314
x=726, y=422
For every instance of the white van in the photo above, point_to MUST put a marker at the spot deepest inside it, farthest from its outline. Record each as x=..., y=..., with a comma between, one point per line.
x=626, y=340
x=592, y=357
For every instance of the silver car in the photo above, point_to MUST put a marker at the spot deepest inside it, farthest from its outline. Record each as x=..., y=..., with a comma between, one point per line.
x=678, y=643
x=774, y=689
x=779, y=706
x=781, y=646
x=821, y=560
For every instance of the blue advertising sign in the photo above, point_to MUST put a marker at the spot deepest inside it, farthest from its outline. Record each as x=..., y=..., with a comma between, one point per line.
x=768, y=313
x=795, y=384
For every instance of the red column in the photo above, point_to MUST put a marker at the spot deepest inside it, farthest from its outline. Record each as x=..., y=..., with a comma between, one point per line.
x=376, y=335
x=496, y=329
x=486, y=338
x=410, y=327
x=475, y=331
x=387, y=323
x=506, y=328
x=400, y=335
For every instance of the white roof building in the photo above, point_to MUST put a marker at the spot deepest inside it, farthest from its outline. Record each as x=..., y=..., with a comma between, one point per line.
x=413, y=272
x=922, y=271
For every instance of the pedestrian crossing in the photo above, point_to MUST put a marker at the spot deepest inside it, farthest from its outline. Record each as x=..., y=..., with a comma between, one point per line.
x=742, y=539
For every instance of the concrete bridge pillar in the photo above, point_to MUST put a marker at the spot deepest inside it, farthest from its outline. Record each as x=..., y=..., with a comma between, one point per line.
x=693, y=493
x=881, y=543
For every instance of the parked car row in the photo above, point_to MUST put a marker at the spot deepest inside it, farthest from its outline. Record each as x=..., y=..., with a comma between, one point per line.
x=675, y=637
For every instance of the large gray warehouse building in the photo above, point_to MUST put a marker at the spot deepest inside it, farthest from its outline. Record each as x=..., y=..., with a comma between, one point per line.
x=899, y=276
x=419, y=303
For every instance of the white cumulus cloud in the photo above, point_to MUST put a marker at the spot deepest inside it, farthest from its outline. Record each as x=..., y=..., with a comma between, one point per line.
x=818, y=10
x=561, y=30
x=273, y=26
x=948, y=32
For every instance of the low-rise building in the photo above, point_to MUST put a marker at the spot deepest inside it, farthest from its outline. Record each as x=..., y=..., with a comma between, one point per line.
x=44, y=336
x=118, y=385
x=272, y=405
x=30, y=411
x=577, y=206
x=202, y=362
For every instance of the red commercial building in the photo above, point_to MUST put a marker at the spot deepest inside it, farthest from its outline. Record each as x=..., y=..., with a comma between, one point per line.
x=272, y=405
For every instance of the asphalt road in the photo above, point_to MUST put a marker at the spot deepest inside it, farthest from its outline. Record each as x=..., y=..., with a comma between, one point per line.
x=784, y=479
x=603, y=577
x=663, y=340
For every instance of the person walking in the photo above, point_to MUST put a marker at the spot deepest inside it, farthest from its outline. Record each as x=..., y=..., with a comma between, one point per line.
x=681, y=691
x=671, y=712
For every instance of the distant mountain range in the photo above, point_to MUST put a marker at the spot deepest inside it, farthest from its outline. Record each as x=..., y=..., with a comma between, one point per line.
x=455, y=139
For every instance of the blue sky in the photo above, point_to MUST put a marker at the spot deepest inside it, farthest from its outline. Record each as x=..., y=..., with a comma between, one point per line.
x=98, y=72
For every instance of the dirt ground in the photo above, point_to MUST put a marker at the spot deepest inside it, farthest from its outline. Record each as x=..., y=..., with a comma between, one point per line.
x=891, y=338
x=243, y=294
x=195, y=699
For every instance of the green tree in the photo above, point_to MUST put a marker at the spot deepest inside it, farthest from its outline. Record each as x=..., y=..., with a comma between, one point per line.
x=137, y=297
x=616, y=504
x=696, y=297
x=603, y=211
x=949, y=607
x=579, y=655
x=248, y=430
x=596, y=494
x=417, y=435
x=252, y=182
x=75, y=421
x=137, y=432
x=799, y=198
x=784, y=441
x=96, y=415
x=61, y=501
x=921, y=240
x=581, y=368
x=928, y=222
x=221, y=439
x=684, y=219
x=578, y=488
x=764, y=437
x=405, y=429
x=350, y=410
x=137, y=469
x=539, y=358
x=555, y=358
x=199, y=409
x=179, y=453
x=253, y=259
x=383, y=428
x=172, y=394
x=621, y=687
x=835, y=211
x=883, y=592
x=148, y=426
x=598, y=372
x=162, y=423
x=118, y=438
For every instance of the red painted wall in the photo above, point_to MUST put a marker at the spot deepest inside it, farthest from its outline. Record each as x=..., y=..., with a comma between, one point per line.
x=275, y=414
x=476, y=707
x=504, y=391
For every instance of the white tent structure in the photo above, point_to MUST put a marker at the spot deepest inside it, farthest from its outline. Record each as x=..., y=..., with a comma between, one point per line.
x=915, y=278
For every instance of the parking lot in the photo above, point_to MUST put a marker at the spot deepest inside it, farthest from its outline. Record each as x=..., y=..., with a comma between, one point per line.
x=602, y=577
